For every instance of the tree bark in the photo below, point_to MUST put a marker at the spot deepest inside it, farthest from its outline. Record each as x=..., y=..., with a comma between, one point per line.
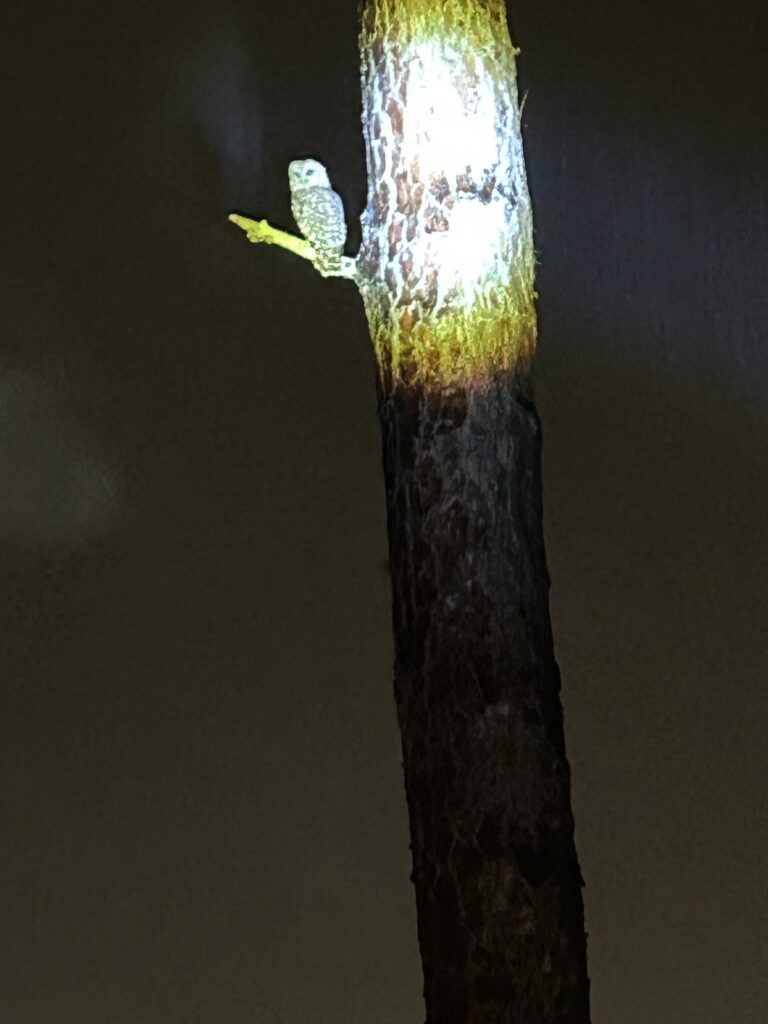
x=446, y=274
x=498, y=887
x=446, y=270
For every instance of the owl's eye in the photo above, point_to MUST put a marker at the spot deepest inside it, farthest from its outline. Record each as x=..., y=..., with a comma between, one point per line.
x=310, y=173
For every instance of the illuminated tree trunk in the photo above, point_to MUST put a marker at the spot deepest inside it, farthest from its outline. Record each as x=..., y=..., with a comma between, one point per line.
x=446, y=273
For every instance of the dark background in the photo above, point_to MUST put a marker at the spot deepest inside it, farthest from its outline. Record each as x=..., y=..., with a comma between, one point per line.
x=202, y=807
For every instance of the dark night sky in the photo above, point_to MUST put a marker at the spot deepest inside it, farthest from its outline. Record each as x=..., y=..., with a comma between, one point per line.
x=201, y=802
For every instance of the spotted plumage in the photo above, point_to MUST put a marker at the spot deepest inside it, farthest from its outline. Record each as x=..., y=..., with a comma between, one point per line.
x=319, y=213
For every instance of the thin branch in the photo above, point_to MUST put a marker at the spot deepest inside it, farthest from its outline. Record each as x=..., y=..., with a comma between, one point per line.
x=263, y=231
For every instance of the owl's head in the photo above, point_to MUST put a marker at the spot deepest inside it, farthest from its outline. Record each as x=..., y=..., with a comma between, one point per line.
x=307, y=174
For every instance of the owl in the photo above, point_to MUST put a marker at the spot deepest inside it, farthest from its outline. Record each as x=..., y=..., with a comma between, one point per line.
x=319, y=212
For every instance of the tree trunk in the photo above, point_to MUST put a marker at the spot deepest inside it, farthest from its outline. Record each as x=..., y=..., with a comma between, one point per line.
x=498, y=887
x=446, y=273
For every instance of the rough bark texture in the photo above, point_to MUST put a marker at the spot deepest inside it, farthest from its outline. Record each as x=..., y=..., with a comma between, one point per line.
x=446, y=273
x=498, y=886
x=447, y=256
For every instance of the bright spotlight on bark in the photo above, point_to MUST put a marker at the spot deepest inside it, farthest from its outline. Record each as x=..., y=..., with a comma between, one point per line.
x=447, y=252
x=446, y=275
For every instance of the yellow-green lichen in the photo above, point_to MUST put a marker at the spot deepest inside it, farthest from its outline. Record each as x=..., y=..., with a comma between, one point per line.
x=448, y=273
x=477, y=22
x=461, y=347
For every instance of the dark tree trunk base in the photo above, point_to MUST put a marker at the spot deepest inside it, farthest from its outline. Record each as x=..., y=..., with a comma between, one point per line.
x=498, y=887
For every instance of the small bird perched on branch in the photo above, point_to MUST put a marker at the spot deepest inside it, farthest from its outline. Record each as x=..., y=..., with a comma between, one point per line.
x=319, y=213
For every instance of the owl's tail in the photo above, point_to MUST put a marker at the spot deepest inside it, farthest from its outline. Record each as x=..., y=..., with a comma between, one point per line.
x=328, y=261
